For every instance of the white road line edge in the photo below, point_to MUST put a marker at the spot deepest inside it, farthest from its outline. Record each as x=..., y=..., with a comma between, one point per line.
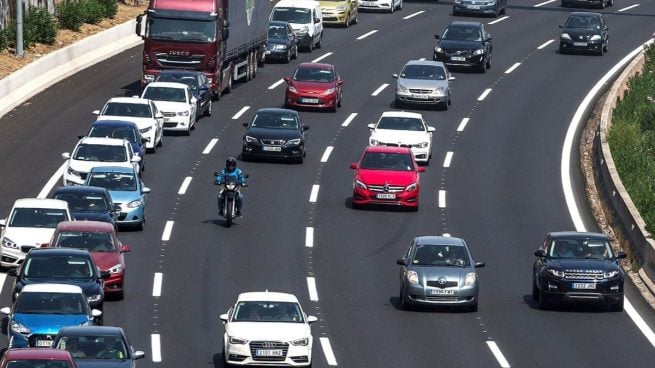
x=326, y=153
x=350, y=118
x=185, y=185
x=168, y=229
x=52, y=181
x=442, y=199
x=543, y=45
x=484, y=94
x=367, y=34
x=498, y=354
x=313, y=196
x=462, y=125
x=311, y=286
x=512, y=68
x=544, y=3
x=380, y=89
x=448, y=159
x=309, y=237
x=274, y=85
x=327, y=351
x=321, y=57
x=156, y=284
x=241, y=112
x=155, y=343
x=628, y=8
x=415, y=14
x=499, y=20
x=210, y=146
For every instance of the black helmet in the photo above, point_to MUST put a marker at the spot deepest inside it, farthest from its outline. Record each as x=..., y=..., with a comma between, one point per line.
x=230, y=164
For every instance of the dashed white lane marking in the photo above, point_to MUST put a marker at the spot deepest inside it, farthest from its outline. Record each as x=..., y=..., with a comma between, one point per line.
x=628, y=8
x=321, y=57
x=185, y=185
x=168, y=229
x=462, y=124
x=309, y=237
x=210, y=146
x=442, y=199
x=484, y=94
x=327, y=351
x=241, y=112
x=326, y=154
x=499, y=20
x=544, y=3
x=156, y=284
x=543, y=45
x=380, y=89
x=350, y=118
x=512, y=68
x=311, y=286
x=414, y=14
x=314, y=193
x=52, y=181
x=155, y=343
x=274, y=85
x=498, y=354
x=367, y=34
x=448, y=159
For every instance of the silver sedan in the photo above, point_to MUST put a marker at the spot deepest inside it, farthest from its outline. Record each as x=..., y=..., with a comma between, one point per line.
x=423, y=82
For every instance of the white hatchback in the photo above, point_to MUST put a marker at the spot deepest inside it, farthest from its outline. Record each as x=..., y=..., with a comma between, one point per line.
x=176, y=103
x=264, y=328
x=403, y=129
x=91, y=152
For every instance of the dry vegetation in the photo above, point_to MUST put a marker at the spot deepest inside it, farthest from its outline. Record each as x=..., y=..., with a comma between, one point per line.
x=9, y=62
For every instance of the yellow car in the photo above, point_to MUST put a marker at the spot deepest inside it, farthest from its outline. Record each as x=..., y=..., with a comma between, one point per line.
x=339, y=12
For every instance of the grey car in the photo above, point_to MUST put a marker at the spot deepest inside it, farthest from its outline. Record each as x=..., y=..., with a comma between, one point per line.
x=439, y=270
x=423, y=82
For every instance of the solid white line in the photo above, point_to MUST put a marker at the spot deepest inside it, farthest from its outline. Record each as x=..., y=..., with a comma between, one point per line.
x=367, y=34
x=349, y=119
x=321, y=57
x=241, y=112
x=484, y=94
x=544, y=3
x=210, y=146
x=274, y=85
x=309, y=237
x=184, y=186
x=639, y=321
x=52, y=181
x=543, y=45
x=155, y=342
x=314, y=193
x=327, y=351
x=498, y=354
x=442, y=199
x=448, y=159
x=499, y=20
x=462, y=125
x=326, y=154
x=311, y=286
x=512, y=68
x=156, y=284
x=628, y=8
x=380, y=89
x=414, y=14
x=168, y=229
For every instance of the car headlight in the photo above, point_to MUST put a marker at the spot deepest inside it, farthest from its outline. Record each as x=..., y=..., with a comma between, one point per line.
x=610, y=274
x=237, y=341
x=423, y=145
x=303, y=30
x=148, y=78
x=70, y=171
x=250, y=139
x=360, y=184
x=293, y=89
x=595, y=38
x=478, y=52
x=300, y=342
x=183, y=113
x=412, y=277
x=8, y=243
x=134, y=204
x=279, y=47
x=565, y=36
x=17, y=327
x=401, y=88
x=373, y=142
x=439, y=91
x=411, y=187
x=293, y=142
x=118, y=268
x=341, y=8
x=555, y=272
x=146, y=129
x=94, y=298
x=329, y=91
x=438, y=50
x=470, y=279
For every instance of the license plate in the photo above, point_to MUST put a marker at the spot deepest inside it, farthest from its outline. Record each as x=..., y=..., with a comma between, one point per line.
x=310, y=100
x=475, y=7
x=167, y=119
x=271, y=148
x=420, y=97
x=442, y=291
x=268, y=353
x=585, y=286
x=268, y=52
x=579, y=44
x=43, y=343
x=386, y=196
x=457, y=58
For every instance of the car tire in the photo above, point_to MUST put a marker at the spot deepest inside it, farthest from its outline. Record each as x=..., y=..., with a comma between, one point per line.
x=535, y=290
x=319, y=44
x=310, y=47
x=339, y=100
x=400, y=6
x=356, y=20
x=404, y=302
x=443, y=106
x=208, y=111
x=120, y=295
x=398, y=104
x=482, y=68
x=346, y=24
x=488, y=63
x=161, y=141
x=295, y=53
x=617, y=307
x=472, y=308
x=542, y=303
x=287, y=59
x=141, y=225
x=392, y=7
x=561, y=49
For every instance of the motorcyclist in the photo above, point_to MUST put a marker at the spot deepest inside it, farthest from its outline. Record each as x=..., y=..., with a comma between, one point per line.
x=230, y=169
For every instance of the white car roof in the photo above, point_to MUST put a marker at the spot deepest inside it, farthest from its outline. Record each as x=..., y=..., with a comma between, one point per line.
x=41, y=203
x=296, y=4
x=51, y=288
x=266, y=296
x=404, y=114
x=167, y=84
x=132, y=100
x=102, y=141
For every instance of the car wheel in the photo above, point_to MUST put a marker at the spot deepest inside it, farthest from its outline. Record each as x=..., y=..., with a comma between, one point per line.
x=319, y=44
x=120, y=295
x=400, y=6
x=398, y=104
x=404, y=303
x=482, y=68
x=607, y=44
x=542, y=303
x=392, y=7
x=535, y=290
x=356, y=20
x=339, y=100
x=346, y=24
x=618, y=307
x=161, y=141
x=472, y=308
x=295, y=52
x=141, y=224
x=443, y=106
x=208, y=110
x=287, y=59
x=488, y=64
x=310, y=47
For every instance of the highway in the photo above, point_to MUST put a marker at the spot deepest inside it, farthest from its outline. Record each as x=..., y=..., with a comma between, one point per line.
x=494, y=180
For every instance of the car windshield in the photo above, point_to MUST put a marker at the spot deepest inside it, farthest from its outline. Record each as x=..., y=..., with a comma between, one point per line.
x=313, y=75
x=387, y=161
x=462, y=34
x=277, y=32
x=84, y=202
x=100, y=152
x=169, y=94
x=91, y=241
x=447, y=255
x=127, y=109
x=582, y=21
x=51, y=303
x=427, y=72
x=38, y=363
x=69, y=267
x=122, y=182
x=401, y=123
x=37, y=217
x=580, y=249
x=275, y=121
x=185, y=30
x=189, y=80
x=292, y=15
x=255, y=311
x=129, y=134
x=93, y=346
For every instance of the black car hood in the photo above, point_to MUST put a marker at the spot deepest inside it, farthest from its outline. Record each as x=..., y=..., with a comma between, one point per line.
x=584, y=264
x=460, y=45
x=92, y=216
x=278, y=41
x=266, y=133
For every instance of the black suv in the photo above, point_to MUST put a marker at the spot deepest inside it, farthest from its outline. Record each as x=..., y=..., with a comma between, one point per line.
x=577, y=266
x=62, y=266
x=464, y=44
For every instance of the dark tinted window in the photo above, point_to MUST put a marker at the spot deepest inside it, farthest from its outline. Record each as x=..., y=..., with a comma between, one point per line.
x=267, y=312
x=58, y=267
x=462, y=33
x=84, y=202
x=275, y=121
x=113, y=181
x=440, y=255
x=99, y=152
x=92, y=241
x=387, y=161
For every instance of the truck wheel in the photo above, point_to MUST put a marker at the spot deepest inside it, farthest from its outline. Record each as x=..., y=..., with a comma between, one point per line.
x=249, y=67
x=255, y=63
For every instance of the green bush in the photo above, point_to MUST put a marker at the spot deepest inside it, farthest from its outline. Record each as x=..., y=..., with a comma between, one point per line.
x=110, y=7
x=93, y=11
x=4, y=43
x=70, y=15
x=38, y=26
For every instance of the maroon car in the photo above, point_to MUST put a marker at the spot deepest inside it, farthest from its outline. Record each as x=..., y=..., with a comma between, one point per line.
x=99, y=238
x=314, y=85
x=37, y=357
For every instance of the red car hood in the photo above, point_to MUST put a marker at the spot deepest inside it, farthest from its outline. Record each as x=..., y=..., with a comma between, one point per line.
x=382, y=177
x=105, y=260
x=312, y=87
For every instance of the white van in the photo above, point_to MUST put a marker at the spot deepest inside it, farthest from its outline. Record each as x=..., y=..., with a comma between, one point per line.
x=305, y=18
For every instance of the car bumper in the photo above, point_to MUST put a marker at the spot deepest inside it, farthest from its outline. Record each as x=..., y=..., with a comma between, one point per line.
x=181, y=123
x=604, y=291
x=311, y=101
x=366, y=197
x=114, y=284
x=420, y=99
x=474, y=61
x=335, y=18
x=304, y=40
x=276, y=54
x=14, y=257
x=374, y=5
x=282, y=152
x=588, y=46
x=475, y=9
x=418, y=294
x=130, y=216
x=241, y=355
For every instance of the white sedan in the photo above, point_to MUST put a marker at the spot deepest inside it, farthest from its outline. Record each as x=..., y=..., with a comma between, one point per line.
x=142, y=112
x=94, y=151
x=176, y=103
x=264, y=328
x=403, y=129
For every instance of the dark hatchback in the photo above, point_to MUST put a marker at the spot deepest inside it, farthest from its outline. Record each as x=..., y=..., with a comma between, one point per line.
x=577, y=267
x=464, y=44
x=275, y=133
x=584, y=32
x=282, y=43
x=89, y=203
x=122, y=130
x=197, y=82
x=98, y=346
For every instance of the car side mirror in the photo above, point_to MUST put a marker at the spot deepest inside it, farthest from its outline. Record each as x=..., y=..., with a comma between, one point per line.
x=451, y=77
x=194, y=100
x=223, y=317
x=96, y=112
x=116, y=208
x=12, y=272
x=3, y=222
x=394, y=76
x=560, y=26
x=479, y=264
x=305, y=127
x=5, y=310
x=420, y=169
x=402, y=262
x=354, y=166
x=66, y=155
x=287, y=79
x=620, y=255
x=431, y=129
x=159, y=115
x=540, y=253
x=245, y=124
x=105, y=275
x=126, y=248
x=311, y=319
x=138, y=355
x=94, y=312
x=340, y=82
x=371, y=126
x=145, y=190
x=136, y=159
x=144, y=140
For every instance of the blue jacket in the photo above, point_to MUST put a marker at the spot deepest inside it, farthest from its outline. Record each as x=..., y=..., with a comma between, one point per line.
x=220, y=179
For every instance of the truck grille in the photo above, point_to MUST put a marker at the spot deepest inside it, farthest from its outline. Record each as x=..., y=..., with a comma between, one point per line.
x=583, y=274
x=269, y=345
x=179, y=61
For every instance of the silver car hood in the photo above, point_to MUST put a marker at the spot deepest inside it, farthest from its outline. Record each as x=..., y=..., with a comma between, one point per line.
x=423, y=83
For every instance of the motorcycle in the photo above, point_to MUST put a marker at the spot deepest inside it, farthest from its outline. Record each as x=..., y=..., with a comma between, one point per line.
x=230, y=189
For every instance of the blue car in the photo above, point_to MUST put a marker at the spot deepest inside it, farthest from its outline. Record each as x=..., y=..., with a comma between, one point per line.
x=89, y=203
x=123, y=130
x=126, y=190
x=41, y=310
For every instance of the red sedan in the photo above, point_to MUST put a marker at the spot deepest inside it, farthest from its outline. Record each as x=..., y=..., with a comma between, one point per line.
x=37, y=357
x=314, y=85
x=386, y=175
x=100, y=239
